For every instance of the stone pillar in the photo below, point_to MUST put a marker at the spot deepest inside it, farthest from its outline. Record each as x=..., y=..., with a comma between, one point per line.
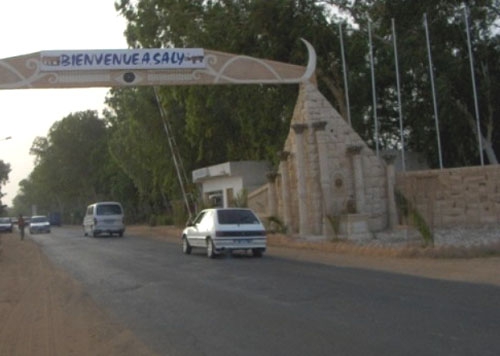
x=389, y=159
x=359, y=184
x=285, y=188
x=271, y=196
x=324, y=170
x=301, y=178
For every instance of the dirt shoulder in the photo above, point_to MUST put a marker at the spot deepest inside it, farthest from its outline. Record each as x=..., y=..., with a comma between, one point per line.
x=45, y=312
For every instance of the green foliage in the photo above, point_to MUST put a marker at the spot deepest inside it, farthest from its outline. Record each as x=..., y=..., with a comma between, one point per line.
x=179, y=213
x=451, y=70
x=220, y=124
x=160, y=220
x=152, y=220
x=274, y=224
x=4, y=178
x=334, y=221
x=241, y=199
x=73, y=168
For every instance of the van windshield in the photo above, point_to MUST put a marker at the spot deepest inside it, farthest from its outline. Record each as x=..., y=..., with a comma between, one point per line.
x=108, y=209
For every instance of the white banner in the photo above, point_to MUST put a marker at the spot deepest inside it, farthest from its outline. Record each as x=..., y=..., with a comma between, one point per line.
x=153, y=58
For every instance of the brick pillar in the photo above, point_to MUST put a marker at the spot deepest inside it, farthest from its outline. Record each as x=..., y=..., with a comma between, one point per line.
x=324, y=170
x=301, y=177
x=391, y=181
x=271, y=196
x=354, y=151
x=285, y=188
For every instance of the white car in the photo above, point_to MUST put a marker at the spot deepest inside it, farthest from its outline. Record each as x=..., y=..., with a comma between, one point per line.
x=225, y=229
x=39, y=224
x=6, y=224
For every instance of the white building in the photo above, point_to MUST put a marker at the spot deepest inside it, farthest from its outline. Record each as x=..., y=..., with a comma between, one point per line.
x=221, y=184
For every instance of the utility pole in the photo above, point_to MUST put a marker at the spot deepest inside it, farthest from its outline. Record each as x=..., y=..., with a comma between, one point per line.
x=179, y=168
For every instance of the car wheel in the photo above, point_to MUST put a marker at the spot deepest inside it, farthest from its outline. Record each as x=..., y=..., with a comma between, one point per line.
x=186, y=247
x=120, y=234
x=257, y=252
x=94, y=233
x=210, y=248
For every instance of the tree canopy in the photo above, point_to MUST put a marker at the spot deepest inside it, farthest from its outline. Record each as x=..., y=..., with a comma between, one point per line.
x=126, y=153
x=4, y=178
x=73, y=168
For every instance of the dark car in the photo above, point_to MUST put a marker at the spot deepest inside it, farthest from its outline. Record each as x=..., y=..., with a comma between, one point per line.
x=6, y=224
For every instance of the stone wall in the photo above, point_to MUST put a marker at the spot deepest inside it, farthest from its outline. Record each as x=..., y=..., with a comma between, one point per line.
x=258, y=201
x=467, y=196
x=327, y=171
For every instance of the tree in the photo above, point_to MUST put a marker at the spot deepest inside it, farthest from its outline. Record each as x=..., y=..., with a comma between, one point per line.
x=451, y=67
x=215, y=124
x=138, y=144
x=73, y=168
x=237, y=122
x=4, y=178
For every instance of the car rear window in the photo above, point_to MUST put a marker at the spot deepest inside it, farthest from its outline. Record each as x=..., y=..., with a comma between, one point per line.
x=227, y=217
x=109, y=209
x=5, y=220
x=38, y=219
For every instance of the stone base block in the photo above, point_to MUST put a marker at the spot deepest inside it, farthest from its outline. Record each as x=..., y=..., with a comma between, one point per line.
x=355, y=227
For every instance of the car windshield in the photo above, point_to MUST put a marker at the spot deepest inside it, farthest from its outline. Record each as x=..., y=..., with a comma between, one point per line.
x=236, y=216
x=109, y=209
x=39, y=219
x=4, y=220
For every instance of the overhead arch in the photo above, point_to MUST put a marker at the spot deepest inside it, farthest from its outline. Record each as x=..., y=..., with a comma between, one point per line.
x=147, y=67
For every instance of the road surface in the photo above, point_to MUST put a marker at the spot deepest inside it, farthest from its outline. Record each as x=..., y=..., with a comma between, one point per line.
x=239, y=305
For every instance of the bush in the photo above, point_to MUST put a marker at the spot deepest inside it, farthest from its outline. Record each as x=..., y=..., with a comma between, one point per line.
x=274, y=224
x=179, y=214
x=409, y=211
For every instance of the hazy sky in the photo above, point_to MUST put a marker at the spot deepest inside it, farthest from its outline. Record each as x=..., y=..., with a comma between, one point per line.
x=32, y=26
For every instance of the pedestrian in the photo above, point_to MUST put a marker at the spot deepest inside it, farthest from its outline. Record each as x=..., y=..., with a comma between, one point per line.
x=21, y=224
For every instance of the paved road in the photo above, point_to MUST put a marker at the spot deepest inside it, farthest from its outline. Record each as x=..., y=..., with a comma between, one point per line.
x=191, y=305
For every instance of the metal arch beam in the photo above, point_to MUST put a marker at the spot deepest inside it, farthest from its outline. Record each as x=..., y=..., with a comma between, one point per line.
x=30, y=71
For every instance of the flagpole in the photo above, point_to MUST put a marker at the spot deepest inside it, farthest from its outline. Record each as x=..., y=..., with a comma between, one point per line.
x=375, y=119
x=431, y=71
x=346, y=84
x=398, y=86
x=473, y=77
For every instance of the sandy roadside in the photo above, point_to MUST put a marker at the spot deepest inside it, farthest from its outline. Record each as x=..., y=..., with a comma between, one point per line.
x=44, y=312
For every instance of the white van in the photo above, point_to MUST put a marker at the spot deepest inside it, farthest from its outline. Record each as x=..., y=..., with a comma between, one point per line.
x=104, y=217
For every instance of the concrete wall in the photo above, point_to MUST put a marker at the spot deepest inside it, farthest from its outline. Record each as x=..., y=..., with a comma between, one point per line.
x=230, y=178
x=223, y=184
x=454, y=197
